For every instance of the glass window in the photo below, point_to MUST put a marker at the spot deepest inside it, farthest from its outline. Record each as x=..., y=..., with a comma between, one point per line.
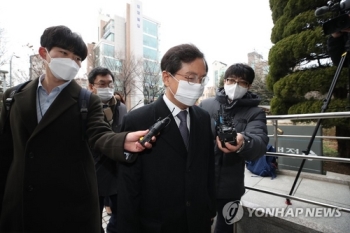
x=110, y=37
x=150, y=28
x=150, y=53
x=111, y=63
x=150, y=41
x=108, y=50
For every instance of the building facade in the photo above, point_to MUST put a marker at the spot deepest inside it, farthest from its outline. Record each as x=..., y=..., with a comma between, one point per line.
x=219, y=69
x=259, y=65
x=128, y=46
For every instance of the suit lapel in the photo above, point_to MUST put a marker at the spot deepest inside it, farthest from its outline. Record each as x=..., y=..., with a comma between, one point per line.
x=170, y=134
x=26, y=105
x=68, y=97
x=195, y=123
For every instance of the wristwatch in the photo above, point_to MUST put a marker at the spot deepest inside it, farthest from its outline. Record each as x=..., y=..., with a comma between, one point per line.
x=241, y=148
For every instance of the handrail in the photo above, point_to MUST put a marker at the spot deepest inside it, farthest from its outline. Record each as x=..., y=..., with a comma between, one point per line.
x=303, y=136
x=299, y=199
x=309, y=116
x=310, y=157
x=274, y=119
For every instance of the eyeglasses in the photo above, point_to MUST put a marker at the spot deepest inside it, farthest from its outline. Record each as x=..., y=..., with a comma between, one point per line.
x=193, y=79
x=104, y=85
x=241, y=83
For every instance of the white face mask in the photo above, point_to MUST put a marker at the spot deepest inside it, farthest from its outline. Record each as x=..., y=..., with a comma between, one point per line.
x=187, y=93
x=235, y=91
x=63, y=68
x=105, y=94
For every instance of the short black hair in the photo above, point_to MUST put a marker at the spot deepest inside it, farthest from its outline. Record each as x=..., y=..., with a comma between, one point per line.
x=173, y=58
x=62, y=37
x=99, y=71
x=241, y=70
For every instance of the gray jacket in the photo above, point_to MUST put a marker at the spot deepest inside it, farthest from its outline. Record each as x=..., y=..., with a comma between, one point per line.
x=250, y=120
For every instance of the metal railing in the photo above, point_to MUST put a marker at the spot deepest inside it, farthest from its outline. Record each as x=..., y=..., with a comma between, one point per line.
x=274, y=119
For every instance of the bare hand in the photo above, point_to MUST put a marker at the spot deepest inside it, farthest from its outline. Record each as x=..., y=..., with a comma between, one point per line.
x=231, y=148
x=132, y=144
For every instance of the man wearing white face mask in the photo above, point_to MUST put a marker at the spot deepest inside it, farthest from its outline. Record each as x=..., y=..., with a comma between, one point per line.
x=101, y=83
x=240, y=106
x=47, y=174
x=171, y=187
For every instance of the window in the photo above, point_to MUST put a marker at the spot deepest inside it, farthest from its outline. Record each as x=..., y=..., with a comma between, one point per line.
x=150, y=41
x=108, y=50
x=150, y=53
x=150, y=28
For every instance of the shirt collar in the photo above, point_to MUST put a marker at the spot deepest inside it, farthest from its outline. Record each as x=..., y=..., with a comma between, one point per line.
x=60, y=87
x=172, y=107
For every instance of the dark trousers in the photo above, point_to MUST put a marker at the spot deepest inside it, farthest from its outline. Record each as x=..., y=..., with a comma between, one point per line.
x=221, y=226
x=112, y=224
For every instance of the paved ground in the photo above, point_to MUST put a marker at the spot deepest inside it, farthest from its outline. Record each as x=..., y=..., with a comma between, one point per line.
x=331, y=188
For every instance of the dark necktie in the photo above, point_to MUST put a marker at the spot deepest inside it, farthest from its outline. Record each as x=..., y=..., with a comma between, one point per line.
x=183, y=126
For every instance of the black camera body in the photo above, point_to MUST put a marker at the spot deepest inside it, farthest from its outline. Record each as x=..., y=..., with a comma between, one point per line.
x=341, y=22
x=336, y=24
x=225, y=128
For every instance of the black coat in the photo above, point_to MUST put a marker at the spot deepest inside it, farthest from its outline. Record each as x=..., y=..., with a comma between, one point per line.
x=168, y=189
x=48, y=178
x=106, y=168
x=250, y=120
x=336, y=48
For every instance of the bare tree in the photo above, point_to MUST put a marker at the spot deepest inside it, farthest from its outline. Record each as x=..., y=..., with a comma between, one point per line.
x=3, y=42
x=20, y=76
x=36, y=67
x=127, y=71
x=259, y=87
x=151, y=80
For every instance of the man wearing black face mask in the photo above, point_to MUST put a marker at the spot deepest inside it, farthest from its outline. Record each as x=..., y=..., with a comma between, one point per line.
x=101, y=82
x=241, y=107
x=47, y=174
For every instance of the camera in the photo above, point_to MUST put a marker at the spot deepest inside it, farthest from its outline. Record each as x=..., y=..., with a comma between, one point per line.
x=338, y=23
x=225, y=128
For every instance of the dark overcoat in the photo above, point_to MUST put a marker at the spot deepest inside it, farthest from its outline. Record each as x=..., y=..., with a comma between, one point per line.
x=47, y=179
x=250, y=121
x=168, y=189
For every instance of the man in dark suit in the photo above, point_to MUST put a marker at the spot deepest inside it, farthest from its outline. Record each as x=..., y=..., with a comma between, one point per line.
x=47, y=174
x=170, y=188
x=101, y=83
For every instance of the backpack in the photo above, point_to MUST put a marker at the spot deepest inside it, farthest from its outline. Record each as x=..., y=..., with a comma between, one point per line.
x=84, y=97
x=264, y=166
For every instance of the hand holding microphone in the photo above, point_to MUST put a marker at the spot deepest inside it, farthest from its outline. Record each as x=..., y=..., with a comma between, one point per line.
x=154, y=130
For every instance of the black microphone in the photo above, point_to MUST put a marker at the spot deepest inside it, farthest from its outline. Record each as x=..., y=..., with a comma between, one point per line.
x=154, y=130
x=322, y=10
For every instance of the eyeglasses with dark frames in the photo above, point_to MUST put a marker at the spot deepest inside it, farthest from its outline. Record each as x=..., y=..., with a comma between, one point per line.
x=241, y=83
x=104, y=85
x=193, y=79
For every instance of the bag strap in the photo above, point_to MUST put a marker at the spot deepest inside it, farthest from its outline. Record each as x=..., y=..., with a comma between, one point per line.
x=84, y=99
x=9, y=102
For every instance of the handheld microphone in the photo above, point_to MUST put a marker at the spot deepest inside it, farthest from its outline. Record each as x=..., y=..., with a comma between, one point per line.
x=154, y=130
